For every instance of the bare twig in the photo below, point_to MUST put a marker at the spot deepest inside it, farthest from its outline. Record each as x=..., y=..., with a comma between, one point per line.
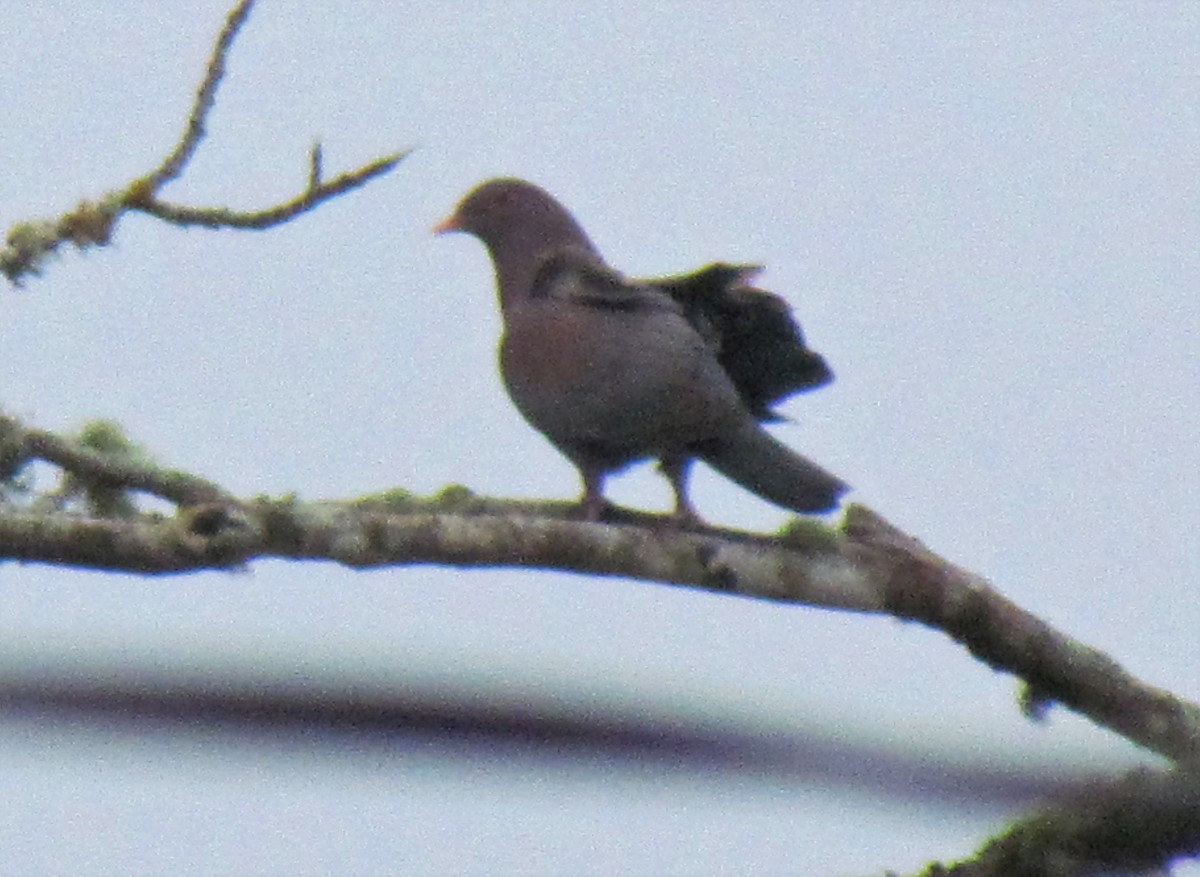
x=206, y=95
x=316, y=172
x=30, y=244
x=222, y=217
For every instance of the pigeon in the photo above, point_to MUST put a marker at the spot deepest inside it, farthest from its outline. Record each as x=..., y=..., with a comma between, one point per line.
x=613, y=370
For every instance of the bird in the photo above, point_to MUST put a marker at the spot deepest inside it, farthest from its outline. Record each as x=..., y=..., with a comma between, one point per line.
x=614, y=370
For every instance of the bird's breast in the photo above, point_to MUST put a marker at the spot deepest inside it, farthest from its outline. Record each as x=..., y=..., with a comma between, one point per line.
x=633, y=380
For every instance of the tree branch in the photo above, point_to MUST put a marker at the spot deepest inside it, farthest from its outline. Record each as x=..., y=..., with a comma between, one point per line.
x=864, y=565
x=103, y=456
x=222, y=217
x=1135, y=825
x=29, y=244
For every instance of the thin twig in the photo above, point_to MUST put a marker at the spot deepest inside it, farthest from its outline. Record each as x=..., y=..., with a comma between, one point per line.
x=223, y=217
x=315, y=170
x=174, y=163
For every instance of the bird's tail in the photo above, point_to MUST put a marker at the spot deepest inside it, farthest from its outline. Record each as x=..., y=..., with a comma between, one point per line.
x=758, y=462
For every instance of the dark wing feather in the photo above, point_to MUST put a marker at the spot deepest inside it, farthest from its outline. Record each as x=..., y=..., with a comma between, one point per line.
x=758, y=341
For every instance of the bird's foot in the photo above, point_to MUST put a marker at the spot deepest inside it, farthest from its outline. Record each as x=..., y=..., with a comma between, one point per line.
x=686, y=518
x=595, y=509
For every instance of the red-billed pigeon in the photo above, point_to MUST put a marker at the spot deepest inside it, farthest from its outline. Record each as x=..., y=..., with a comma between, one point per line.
x=614, y=370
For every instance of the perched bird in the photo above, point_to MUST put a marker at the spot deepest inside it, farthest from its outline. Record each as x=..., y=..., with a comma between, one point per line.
x=614, y=370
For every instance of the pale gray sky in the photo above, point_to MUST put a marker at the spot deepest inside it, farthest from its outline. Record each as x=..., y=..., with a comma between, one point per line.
x=985, y=215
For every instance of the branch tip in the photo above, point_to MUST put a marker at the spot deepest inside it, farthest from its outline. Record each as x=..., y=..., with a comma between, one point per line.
x=314, y=167
x=206, y=95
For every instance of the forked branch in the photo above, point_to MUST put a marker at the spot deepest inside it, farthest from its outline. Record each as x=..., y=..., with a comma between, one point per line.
x=29, y=244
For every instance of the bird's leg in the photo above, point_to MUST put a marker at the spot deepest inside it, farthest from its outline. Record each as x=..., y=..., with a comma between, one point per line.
x=593, y=502
x=677, y=469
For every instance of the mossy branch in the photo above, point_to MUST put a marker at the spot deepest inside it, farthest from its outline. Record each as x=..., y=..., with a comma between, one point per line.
x=1139, y=824
x=863, y=565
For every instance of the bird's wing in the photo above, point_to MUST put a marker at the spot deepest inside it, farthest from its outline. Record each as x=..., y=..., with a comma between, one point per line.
x=581, y=278
x=758, y=341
